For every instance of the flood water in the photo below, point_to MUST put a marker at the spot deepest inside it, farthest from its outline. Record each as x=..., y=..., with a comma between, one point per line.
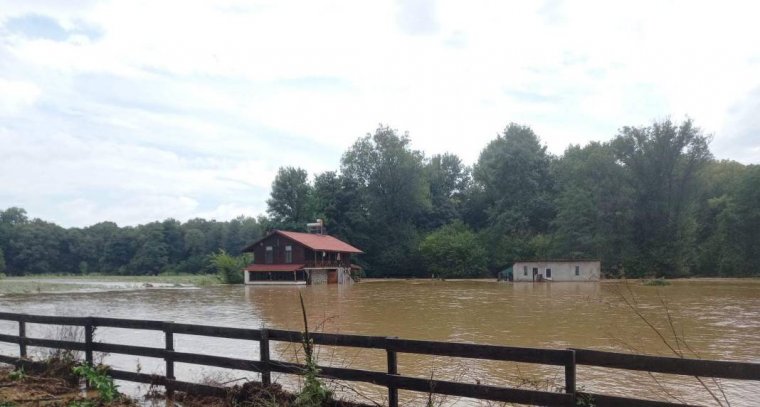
x=716, y=319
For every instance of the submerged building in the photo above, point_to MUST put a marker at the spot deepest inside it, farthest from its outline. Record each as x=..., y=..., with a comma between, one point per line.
x=284, y=257
x=557, y=270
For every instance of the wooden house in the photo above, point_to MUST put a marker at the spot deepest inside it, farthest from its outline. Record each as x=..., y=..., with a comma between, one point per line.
x=284, y=257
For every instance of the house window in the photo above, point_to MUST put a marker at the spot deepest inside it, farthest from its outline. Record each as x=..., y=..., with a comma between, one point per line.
x=269, y=255
x=548, y=273
x=577, y=270
x=288, y=254
x=525, y=270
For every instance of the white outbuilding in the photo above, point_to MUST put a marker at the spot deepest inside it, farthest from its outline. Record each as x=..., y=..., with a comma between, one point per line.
x=557, y=270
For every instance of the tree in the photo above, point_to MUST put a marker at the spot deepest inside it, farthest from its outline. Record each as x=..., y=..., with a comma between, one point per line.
x=10, y=220
x=594, y=205
x=748, y=212
x=324, y=194
x=288, y=205
x=453, y=251
x=389, y=180
x=35, y=248
x=513, y=189
x=448, y=179
x=2, y=262
x=717, y=219
x=172, y=236
x=194, y=242
x=153, y=253
x=14, y=216
x=118, y=251
x=513, y=171
x=731, y=246
x=341, y=204
x=391, y=172
x=663, y=161
x=241, y=231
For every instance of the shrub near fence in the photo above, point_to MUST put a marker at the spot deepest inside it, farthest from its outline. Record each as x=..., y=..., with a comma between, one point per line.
x=392, y=379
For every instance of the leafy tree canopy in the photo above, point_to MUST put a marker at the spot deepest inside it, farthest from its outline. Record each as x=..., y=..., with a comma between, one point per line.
x=453, y=251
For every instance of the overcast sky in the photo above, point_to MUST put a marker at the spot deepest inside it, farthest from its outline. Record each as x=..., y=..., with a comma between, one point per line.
x=137, y=111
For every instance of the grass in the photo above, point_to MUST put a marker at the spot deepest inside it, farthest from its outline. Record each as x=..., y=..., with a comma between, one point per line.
x=47, y=283
x=56, y=383
x=656, y=282
x=161, y=278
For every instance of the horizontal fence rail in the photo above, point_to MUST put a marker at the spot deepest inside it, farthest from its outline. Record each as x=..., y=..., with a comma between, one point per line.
x=391, y=379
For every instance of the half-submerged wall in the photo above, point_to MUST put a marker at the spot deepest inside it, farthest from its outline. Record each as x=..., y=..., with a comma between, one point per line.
x=555, y=270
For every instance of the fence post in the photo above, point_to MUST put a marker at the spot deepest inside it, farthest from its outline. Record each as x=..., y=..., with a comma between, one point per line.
x=570, y=374
x=392, y=370
x=22, y=336
x=168, y=358
x=266, y=375
x=89, y=329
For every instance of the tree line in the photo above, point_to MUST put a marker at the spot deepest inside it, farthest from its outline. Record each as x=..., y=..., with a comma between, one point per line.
x=33, y=246
x=651, y=202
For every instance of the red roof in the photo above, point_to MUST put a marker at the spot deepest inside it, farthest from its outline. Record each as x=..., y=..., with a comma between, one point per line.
x=320, y=242
x=274, y=267
x=314, y=242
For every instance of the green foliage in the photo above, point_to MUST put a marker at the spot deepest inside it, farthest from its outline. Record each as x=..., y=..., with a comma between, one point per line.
x=453, y=251
x=229, y=269
x=97, y=378
x=152, y=255
x=37, y=247
x=656, y=282
x=288, y=205
x=594, y=205
x=2, y=262
x=513, y=193
x=341, y=203
x=391, y=200
x=513, y=171
x=728, y=220
x=585, y=400
x=17, y=374
x=449, y=180
x=663, y=161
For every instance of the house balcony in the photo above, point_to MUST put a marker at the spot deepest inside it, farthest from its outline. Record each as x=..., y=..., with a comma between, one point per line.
x=326, y=264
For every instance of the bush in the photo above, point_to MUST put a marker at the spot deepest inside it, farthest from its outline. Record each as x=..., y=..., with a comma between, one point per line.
x=97, y=378
x=229, y=268
x=656, y=282
x=453, y=251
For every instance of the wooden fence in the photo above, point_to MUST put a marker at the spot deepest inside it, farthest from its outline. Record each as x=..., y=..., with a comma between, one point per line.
x=392, y=379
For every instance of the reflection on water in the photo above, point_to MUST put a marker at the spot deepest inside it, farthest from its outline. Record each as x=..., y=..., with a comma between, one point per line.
x=718, y=319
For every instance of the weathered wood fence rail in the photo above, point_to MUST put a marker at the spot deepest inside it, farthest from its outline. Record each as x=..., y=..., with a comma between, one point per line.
x=392, y=379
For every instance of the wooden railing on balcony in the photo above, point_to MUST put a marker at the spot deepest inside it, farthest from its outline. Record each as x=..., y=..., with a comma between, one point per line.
x=325, y=263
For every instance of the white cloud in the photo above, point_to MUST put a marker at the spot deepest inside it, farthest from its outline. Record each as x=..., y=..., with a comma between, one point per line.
x=188, y=109
x=16, y=95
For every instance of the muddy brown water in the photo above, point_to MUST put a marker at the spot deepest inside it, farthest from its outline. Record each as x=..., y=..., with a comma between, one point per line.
x=717, y=319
